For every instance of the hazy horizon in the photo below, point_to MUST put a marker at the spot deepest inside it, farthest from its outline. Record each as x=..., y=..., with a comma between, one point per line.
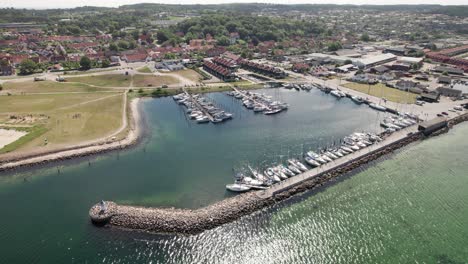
x=34, y=4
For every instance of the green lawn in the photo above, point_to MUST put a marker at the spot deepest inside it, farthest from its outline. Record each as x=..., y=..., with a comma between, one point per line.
x=380, y=90
x=47, y=87
x=189, y=74
x=105, y=80
x=144, y=70
x=62, y=119
x=140, y=80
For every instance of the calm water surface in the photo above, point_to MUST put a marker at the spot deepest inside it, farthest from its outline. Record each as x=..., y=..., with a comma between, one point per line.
x=410, y=208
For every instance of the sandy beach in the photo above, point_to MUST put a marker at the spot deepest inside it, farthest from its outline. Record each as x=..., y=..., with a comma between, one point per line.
x=8, y=136
x=84, y=149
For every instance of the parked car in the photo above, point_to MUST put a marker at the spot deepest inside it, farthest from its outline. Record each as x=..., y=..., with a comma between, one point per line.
x=445, y=113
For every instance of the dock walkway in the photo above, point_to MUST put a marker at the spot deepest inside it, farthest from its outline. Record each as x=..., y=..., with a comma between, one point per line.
x=250, y=97
x=201, y=108
x=298, y=179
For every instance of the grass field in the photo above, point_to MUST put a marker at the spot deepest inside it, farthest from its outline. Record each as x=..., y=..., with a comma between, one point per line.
x=105, y=80
x=62, y=119
x=144, y=70
x=380, y=90
x=47, y=87
x=154, y=81
x=189, y=74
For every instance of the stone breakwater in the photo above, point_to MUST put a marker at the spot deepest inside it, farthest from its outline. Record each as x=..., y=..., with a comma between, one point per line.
x=185, y=221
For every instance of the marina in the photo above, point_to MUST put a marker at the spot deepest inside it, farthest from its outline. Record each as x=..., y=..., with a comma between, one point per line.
x=200, y=109
x=259, y=102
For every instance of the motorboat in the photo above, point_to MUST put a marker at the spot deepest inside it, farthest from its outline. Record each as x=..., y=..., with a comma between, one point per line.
x=316, y=157
x=337, y=94
x=311, y=161
x=202, y=119
x=294, y=169
x=251, y=181
x=378, y=107
x=272, y=175
x=237, y=187
x=286, y=171
x=273, y=111
x=325, y=157
x=354, y=147
x=330, y=155
x=347, y=149
x=357, y=99
x=298, y=164
x=257, y=175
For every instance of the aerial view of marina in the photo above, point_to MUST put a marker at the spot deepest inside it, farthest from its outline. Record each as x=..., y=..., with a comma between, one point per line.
x=233, y=132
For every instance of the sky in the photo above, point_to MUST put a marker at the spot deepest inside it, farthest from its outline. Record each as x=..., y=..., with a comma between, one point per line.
x=43, y=4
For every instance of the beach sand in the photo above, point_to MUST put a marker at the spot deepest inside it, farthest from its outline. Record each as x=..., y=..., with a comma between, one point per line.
x=8, y=136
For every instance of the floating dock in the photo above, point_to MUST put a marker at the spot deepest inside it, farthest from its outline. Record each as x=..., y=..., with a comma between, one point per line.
x=201, y=108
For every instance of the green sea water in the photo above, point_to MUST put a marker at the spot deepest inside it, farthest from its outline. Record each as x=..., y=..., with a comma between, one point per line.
x=409, y=207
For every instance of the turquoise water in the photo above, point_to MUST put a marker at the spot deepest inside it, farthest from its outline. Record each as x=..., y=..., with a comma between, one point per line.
x=409, y=208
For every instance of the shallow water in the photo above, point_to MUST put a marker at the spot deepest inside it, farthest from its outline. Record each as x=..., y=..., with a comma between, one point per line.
x=410, y=207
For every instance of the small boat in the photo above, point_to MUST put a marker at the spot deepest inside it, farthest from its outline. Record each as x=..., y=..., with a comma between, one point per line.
x=311, y=161
x=354, y=147
x=294, y=169
x=203, y=119
x=326, y=158
x=300, y=165
x=273, y=111
x=286, y=171
x=251, y=181
x=272, y=175
x=357, y=99
x=330, y=155
x=238, y=187
x=378, y=107
x=337, y=153
x=337, y=94
x=349, y=150
x=316, y=157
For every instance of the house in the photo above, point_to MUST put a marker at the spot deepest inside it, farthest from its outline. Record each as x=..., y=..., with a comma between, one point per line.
x=430, y=97
x=444, y=80
x=449, y=70
x=381, y=69
x=136, y=57
x=233, y=37
x=405, y=85
x=300, y=67
x=399, y=51
x=213, y=52
x=6, y=70
x=449, y=92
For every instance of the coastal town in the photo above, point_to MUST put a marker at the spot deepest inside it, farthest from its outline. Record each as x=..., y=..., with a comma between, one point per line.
x=342, y=86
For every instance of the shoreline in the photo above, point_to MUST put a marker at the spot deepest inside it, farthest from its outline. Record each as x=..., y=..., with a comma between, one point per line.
x=132, y=137
x=193, y=221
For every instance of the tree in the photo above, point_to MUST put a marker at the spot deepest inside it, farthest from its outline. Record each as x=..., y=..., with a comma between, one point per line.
x=113, y=47
x=162, y=37
x=445, y=73
x=85, y=63
x=334, y=46
x=223, y=41
x=27, y=66
x=348, y=62
x=105, y=63
x=123, y=44
x=365, y=37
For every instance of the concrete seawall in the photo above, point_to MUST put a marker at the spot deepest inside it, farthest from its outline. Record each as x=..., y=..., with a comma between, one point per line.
x=186, y=221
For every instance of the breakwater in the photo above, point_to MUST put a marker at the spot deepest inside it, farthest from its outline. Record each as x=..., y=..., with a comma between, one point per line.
x=173, y=220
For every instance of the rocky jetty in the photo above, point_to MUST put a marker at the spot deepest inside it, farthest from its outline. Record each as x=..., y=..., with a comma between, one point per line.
x=185, y=221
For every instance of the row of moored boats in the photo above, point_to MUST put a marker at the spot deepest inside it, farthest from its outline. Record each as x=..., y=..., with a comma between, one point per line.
x=259, y=102
x=200, y=109
x=312, y=159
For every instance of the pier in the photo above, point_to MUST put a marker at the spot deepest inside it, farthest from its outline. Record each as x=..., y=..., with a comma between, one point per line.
x=201, y=108
x=251, y=98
